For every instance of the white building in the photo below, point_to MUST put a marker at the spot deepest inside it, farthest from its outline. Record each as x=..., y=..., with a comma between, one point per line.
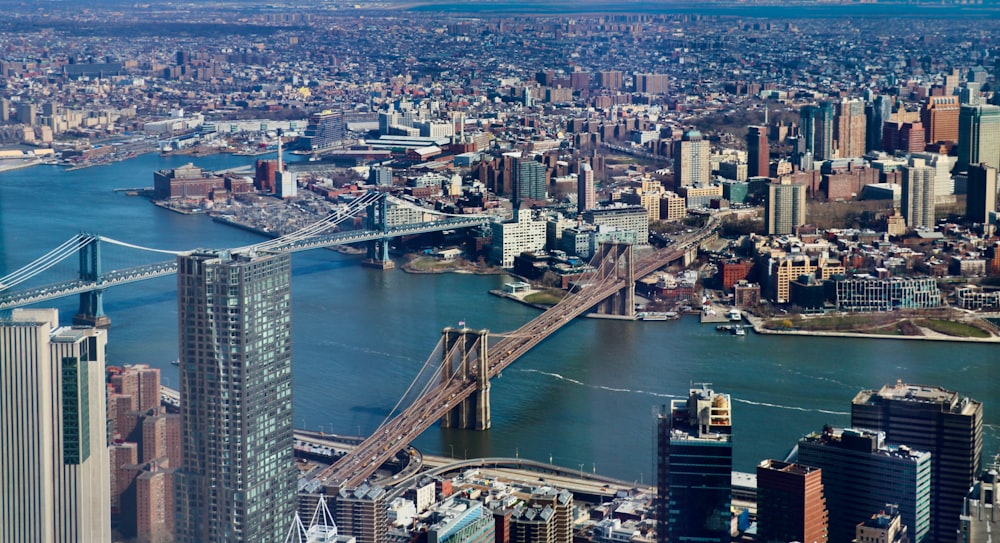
x=55, y=474
x=514, y=237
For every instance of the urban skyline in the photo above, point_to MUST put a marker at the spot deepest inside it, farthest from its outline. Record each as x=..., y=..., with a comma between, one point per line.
x=780, y=189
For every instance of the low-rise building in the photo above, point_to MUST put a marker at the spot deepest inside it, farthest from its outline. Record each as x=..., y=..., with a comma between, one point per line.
x=868, y=294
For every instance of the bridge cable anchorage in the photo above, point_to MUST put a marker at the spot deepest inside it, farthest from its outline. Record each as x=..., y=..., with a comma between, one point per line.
x=65, y=250
x=313, y=229
x=330, y=221
x=141, y=248
x=404, y=203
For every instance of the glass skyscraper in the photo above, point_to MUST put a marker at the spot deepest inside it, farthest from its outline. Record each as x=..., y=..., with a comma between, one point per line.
x=694, y=469
x=237, y=480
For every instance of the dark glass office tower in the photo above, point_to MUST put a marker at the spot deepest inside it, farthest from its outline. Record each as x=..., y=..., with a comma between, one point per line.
x=933, y=419
x=694, y=469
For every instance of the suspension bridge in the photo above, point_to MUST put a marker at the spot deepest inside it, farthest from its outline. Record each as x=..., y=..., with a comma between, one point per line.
x=453, y=386
x=95, y=273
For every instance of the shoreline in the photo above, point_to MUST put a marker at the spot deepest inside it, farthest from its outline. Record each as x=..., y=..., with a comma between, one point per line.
x=758, y=327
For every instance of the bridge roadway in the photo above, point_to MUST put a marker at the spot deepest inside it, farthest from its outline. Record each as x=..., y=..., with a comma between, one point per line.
x=354, y=468
x=160, y=269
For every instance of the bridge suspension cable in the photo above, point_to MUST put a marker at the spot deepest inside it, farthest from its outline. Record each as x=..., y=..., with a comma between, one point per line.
x=67, y=249
x=141, y=248
x=318, y=227
x=435, y=355
x=432, y=383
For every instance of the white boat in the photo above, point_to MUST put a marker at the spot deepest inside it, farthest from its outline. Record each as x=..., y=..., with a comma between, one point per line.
x=738, y=330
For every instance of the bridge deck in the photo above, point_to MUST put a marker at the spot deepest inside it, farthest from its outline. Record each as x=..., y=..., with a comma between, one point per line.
x=354, y=468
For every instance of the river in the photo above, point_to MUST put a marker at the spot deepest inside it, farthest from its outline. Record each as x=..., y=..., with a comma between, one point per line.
x=584, y=398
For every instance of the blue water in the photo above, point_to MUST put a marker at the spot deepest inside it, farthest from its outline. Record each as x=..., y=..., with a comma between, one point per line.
x=583, y=397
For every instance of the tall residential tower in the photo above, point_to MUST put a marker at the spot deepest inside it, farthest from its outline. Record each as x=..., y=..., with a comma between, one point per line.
x=237, y=481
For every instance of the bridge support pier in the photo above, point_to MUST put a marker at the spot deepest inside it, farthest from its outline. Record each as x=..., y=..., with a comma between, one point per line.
x=378, y=255
x=91, y=311
x=378, y=250
x=466, y=357
x=619, y=257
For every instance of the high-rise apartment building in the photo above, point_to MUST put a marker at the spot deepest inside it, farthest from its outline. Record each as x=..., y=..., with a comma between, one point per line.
x=784, y=207
x=511, y=238
x=691, y=160
x=652, y=83
x=611, y=80
x=932, y=419
x=940, y=119
x=530, y=183
x=861, y=474
x=586, y=192
x=325, y=129
x=694, y=468
x=758, y=154
x=237, y=481
x=55, y=483
x=816, y=127
x=978, y=136
x=27, y=113
x=918, y=201
x=790, y=503
x=849, y=128
x=360, y=513
x=981, y=189
x=876, y=114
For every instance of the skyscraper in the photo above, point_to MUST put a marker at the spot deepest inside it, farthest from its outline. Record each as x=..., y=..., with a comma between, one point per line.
x=875, y=116
x=237, y=480
x=530, y=180
x=918, y=194
x=861, y=474
x=691, y=160
x=978, y=136
x=694, y=468
x=931, y=419
x=784, y=207
x=55, y=483
x=940, y=118
x=817, y=126
x=981, y=193
x=586, y=196
x=791, y=505
x=849, y=128
x=758, y=155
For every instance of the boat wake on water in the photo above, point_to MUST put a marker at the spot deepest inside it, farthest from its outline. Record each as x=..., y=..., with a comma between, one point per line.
x=366, y=350
x=791, y=407
x=600, y=387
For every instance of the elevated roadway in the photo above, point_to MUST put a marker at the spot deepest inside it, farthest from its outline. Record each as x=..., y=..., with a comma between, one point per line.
x=354, y=468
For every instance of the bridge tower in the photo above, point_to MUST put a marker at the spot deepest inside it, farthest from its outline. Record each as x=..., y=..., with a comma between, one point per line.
x=616, y=260
x=378, y=250
x=91, y=311
x=466, y=357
